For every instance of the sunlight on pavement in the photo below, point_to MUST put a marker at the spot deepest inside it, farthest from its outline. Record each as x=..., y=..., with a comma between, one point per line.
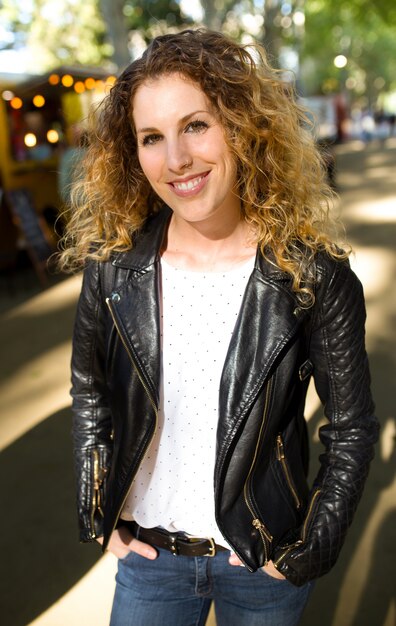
x=53, y=299
x=42, y=385
x=375, y=267
x=93, y=609
x=388, y=437
x=356, y=578
x=373, y=211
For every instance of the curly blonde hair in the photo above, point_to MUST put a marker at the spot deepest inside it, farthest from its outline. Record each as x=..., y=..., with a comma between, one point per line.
x=281, y=178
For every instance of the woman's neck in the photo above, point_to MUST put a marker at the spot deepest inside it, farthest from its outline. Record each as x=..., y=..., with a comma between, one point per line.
x=196, y=247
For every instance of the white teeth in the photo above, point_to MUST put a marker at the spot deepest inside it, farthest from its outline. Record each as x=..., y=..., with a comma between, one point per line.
x=191, y=184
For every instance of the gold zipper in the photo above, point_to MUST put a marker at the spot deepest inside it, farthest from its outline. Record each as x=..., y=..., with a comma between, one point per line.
x=304, y=529
x=148, y=395
x=308, y=516
x=98, y=477
x=256, y=522
x=280, y=454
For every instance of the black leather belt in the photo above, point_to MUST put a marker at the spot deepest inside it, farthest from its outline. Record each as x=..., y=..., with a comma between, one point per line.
x=178, y=543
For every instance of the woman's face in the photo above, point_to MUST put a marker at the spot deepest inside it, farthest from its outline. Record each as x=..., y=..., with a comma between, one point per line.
x=182, y=150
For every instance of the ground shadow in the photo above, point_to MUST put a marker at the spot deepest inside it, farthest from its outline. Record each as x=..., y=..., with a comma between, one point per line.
x=26, y=338
x=378, y=585
x=380, y=567
x=378, y=235
x=41, y=555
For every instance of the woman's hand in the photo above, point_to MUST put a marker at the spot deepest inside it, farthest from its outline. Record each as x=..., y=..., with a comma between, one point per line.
x=269, y=569
x=122, y=542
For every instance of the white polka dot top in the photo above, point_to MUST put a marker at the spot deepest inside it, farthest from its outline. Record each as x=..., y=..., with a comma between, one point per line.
x=174, y=484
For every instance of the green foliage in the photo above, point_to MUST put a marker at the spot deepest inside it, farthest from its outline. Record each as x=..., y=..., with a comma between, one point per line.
x=362, y=31
x=56, y=31
x=92, y=31
x=154, y=17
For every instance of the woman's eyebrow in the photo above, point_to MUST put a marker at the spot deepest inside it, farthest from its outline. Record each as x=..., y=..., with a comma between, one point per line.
x=183, y=120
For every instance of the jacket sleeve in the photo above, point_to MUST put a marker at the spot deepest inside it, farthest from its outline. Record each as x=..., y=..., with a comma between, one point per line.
x=342, y=381
x=92, y=438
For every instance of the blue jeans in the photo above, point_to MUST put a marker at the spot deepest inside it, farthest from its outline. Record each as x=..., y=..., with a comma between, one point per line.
x=178, y=591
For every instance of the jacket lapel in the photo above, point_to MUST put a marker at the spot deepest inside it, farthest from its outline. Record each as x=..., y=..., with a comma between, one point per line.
x=137, y=304
x=268, y=319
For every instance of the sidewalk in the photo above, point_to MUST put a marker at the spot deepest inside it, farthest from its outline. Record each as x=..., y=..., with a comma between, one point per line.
x=48, y=578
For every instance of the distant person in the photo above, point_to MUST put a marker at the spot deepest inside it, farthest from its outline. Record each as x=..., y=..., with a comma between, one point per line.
x=211, y=295
x=391, y=121
x=367, y=125
x=381, y=125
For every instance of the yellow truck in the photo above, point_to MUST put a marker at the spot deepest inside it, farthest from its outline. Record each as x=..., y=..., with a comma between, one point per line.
x=38, y=118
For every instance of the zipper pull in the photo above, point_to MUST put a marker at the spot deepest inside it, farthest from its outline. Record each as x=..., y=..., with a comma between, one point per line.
x=279, y=448
x=261, y=528
x=257, y=524
x=98, y=476
x=265, y=536
x=96, y=470
x=99, y=473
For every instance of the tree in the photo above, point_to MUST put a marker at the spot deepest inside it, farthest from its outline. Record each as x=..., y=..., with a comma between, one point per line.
x=56, y=31
x=117, y=31
x=361, y=31
x=154, y=17
x=94, y=32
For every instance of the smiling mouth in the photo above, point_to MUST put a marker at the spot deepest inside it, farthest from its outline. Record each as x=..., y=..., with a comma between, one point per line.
x=189, y=185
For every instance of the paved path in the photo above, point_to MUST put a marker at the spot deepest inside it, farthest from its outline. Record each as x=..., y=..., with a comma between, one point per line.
x=48, y=579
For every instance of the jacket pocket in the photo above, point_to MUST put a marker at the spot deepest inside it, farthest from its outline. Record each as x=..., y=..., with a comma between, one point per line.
x=99, y=472
x=286, y=549
x=281, y=457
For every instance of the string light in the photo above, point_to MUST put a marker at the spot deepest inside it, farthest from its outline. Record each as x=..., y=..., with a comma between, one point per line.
x=90, y=83
x=30, y=140
x=39, y=101
x=79, y=87
x=67, y=80
x=7, y=95
x=54, y=79
x=53, y=136
x=16, y=103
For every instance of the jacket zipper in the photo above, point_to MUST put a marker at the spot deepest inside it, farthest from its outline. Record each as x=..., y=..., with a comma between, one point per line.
x=148, y=395
x=265, y=535
x=280, y=455
x=98, y=477
x=309, y=514
x=304, y=529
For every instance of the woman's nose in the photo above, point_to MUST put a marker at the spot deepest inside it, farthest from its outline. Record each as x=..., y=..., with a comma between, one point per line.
x=179, y=157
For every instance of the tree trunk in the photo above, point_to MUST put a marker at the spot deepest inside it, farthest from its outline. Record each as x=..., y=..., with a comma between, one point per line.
x=113, y=16
x=212, y=18
x=272, y=38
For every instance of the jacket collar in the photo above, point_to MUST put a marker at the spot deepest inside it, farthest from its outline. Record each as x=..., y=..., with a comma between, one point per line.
x=268, y=319
x=148, y=243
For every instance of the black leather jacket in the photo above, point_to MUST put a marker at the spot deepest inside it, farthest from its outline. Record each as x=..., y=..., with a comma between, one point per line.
x=264, y=507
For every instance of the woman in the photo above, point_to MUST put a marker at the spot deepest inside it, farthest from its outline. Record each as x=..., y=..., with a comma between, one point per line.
x=211, y=294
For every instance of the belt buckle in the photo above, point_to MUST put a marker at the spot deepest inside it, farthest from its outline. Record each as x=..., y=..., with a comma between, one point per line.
x=212, y=547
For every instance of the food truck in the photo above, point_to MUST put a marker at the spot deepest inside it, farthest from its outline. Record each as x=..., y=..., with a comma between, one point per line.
x=38, y=117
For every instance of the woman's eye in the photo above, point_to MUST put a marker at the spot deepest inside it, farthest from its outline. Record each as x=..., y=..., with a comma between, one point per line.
x=150, y=140
x=196, y=127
